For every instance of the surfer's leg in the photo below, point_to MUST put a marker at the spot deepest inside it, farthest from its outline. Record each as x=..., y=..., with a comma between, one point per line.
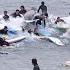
x=44, y=24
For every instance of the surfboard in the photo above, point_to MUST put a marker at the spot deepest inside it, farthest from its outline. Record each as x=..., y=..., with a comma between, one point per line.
x=17, y=39
x=67, y=63
x=53, y=39
x=56, y=40
x=62, y=25
x=46, y=34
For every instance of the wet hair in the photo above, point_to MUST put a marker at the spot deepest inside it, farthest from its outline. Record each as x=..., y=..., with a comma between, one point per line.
x=42, y=2
x=5, y=27
x=58, y=17
x=5, y=11
x=34, y=61
x=17, y=10
x=22, y=6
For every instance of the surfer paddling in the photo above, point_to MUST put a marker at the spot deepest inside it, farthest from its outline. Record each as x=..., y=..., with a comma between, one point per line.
x=22, y=10
x=5, y=17
x=3, y=42
x=4, y=30
x=59, y=20
x=16, y=14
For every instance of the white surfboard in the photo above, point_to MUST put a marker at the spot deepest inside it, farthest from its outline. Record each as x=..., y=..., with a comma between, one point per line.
x=56, y=41
x=67, y=63
x=16, y=39
x=29, y=21
x=53, y=39
x=62, y=25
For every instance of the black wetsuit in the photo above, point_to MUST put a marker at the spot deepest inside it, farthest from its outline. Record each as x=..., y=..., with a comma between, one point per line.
x=3, y=42
x=36, y=67
x=3, y=31
x=6, y=17
x=38, y=22
x=22, y=11
x=15, y=15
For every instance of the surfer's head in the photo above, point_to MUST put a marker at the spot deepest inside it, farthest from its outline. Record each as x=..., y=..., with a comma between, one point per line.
x=42, y=3
x=58, y=17
x=5, y=12
x=5, y=27
x=34, y=61
x=17, y=11
x=22, y=7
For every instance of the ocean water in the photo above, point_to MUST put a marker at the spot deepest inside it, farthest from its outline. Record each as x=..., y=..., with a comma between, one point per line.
x=56, y=7
x=49, y=55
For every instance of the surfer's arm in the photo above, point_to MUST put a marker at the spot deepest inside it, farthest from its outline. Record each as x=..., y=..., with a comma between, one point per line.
x=39, y=8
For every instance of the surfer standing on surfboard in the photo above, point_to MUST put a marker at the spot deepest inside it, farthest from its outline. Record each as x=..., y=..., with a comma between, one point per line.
x=43, y=9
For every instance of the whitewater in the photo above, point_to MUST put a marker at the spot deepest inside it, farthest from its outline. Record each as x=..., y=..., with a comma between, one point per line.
x=49, y=55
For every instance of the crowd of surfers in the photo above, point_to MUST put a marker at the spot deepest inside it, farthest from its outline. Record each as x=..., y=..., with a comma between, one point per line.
x=40, y=18
x=22, y=12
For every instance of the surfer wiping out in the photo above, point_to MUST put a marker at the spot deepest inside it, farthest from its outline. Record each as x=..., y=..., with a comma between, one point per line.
x=44, y=14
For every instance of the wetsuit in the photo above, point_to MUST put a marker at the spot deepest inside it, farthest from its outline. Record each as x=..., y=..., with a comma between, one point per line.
x=59, y=20
x=15, y=15
x=3, y=31
x=22, y=12
x=3, y=42
x=38, y=22
x=36, y=67
x=6, y=17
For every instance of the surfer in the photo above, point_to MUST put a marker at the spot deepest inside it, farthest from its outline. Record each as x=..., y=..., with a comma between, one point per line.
x=4, y=30
x=36, y=66
x=3, y=42
x=43, y=9
x=15, y=14
x=41, y=21
x=22, y=10
x=29, y=31
x=59, y=20
x=38, y=22
x=36, y=31
x=5, y=17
